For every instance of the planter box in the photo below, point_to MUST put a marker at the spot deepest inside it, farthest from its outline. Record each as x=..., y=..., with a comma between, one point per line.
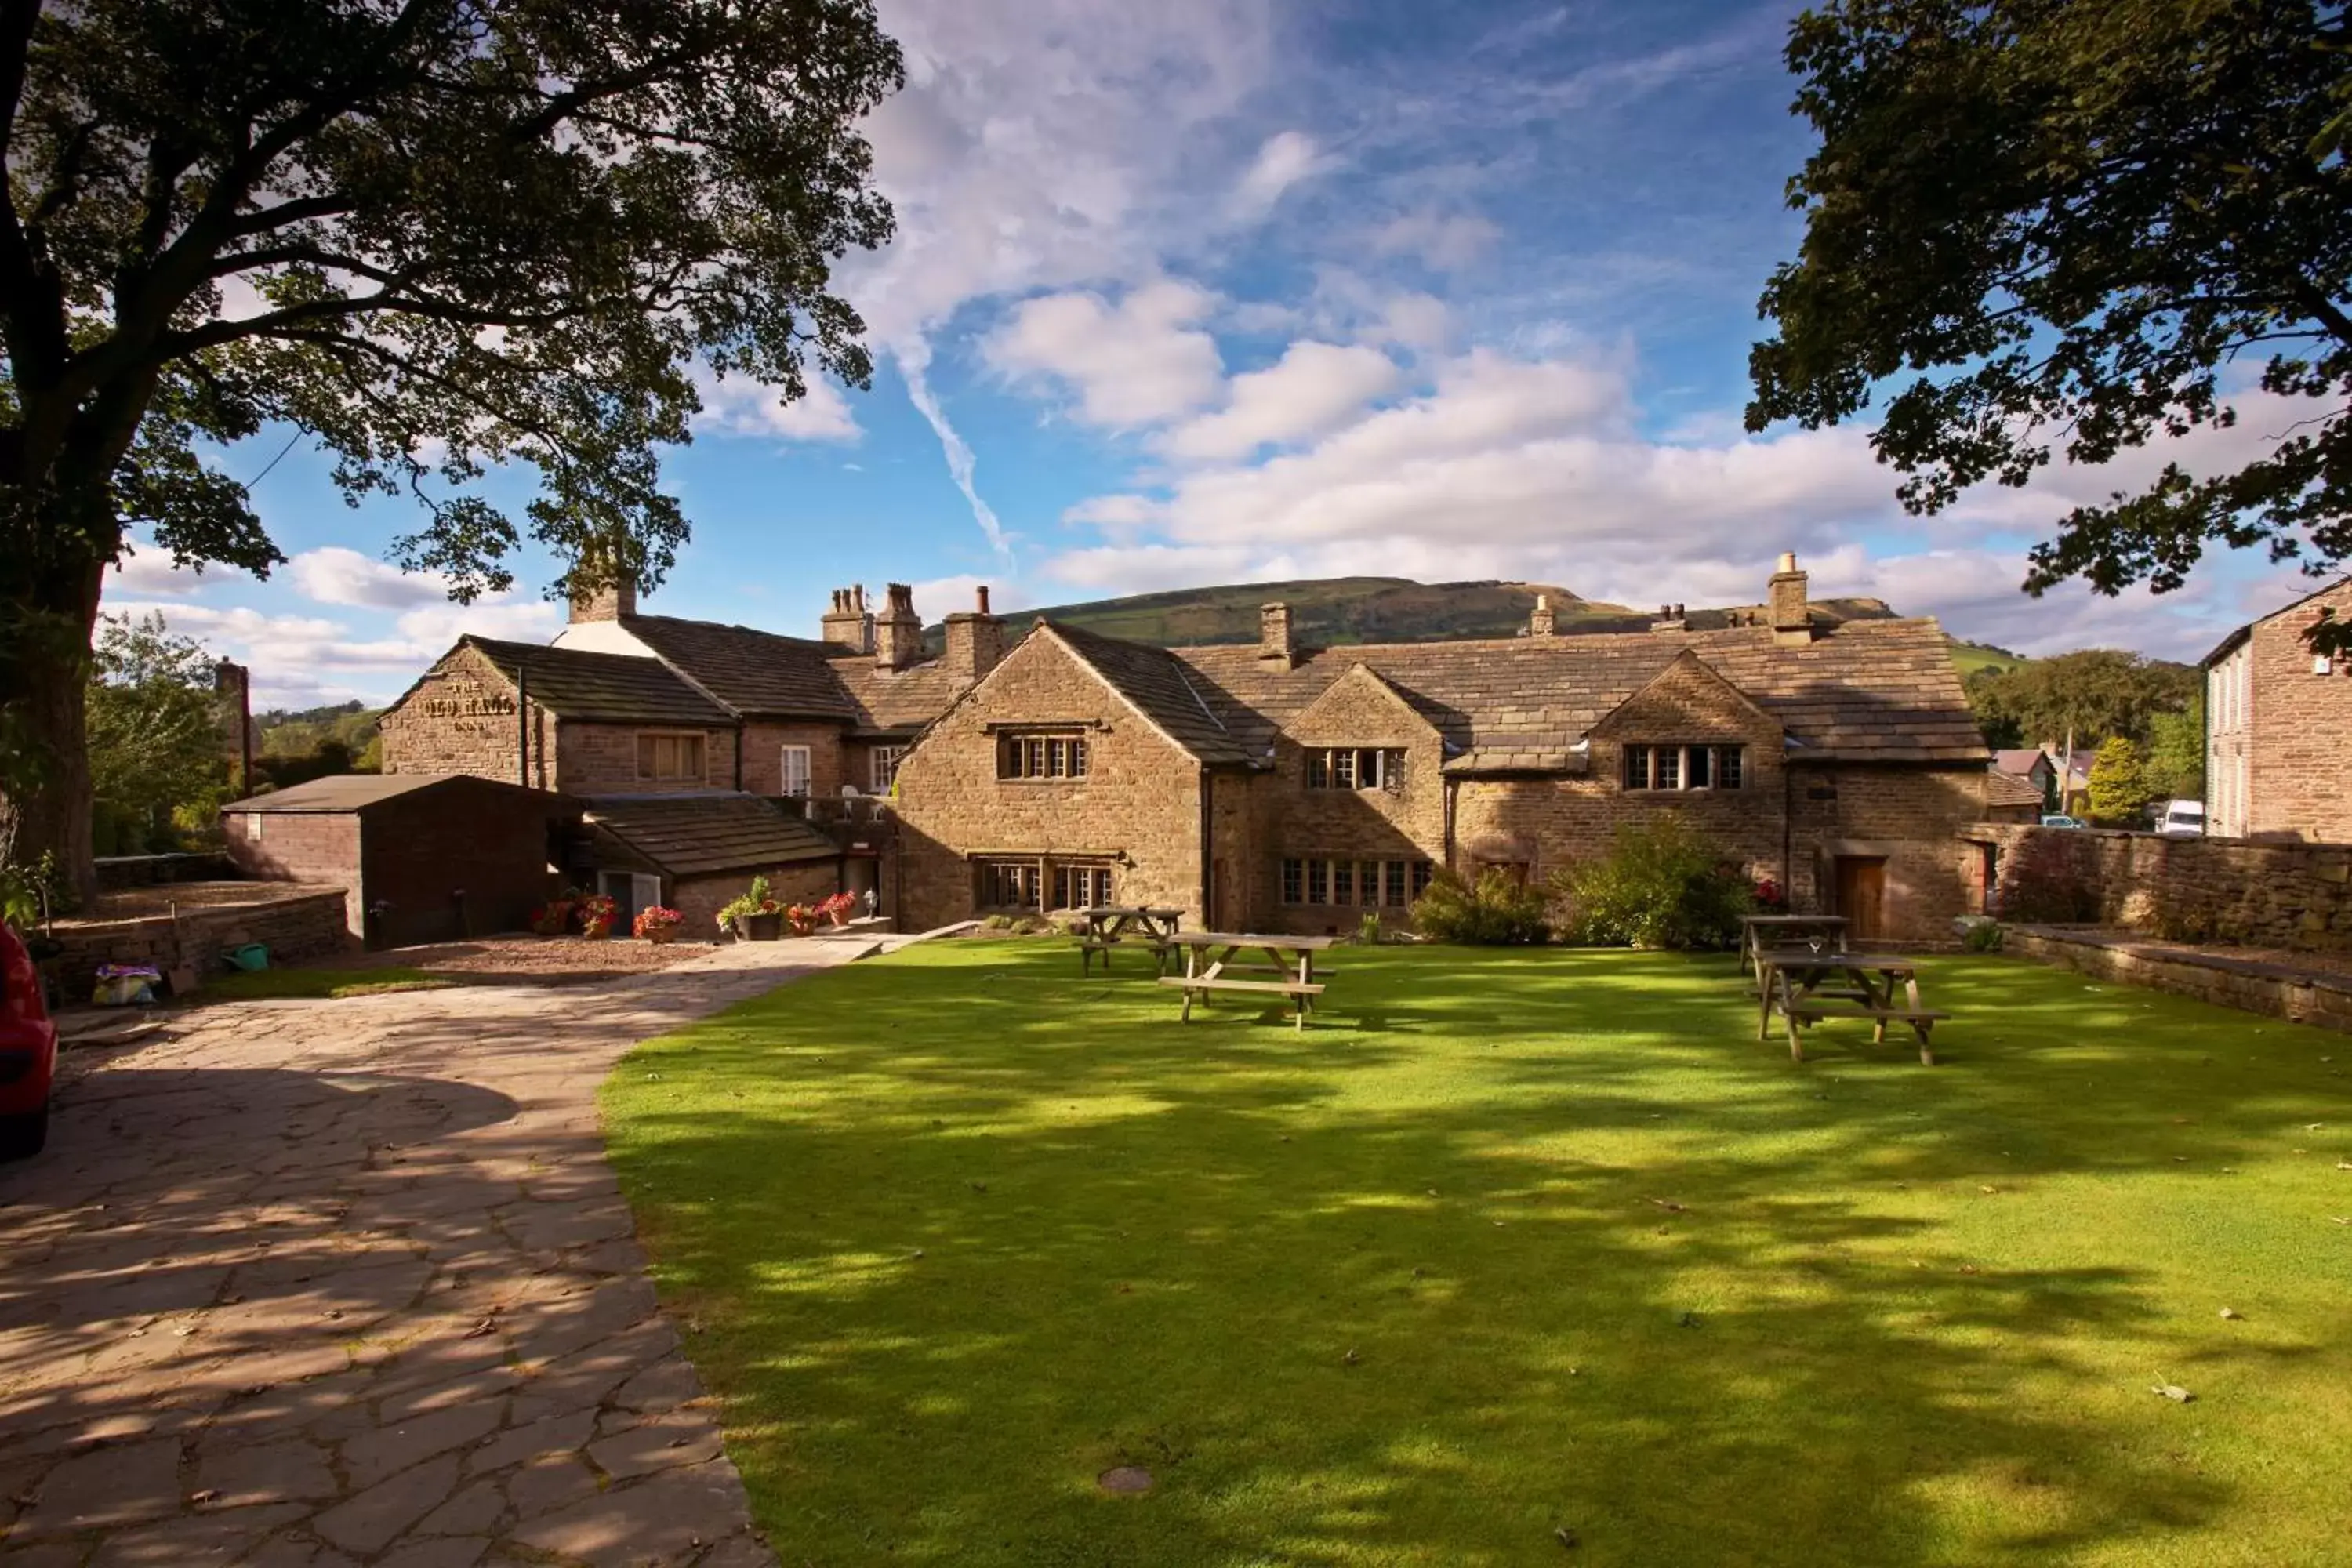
x=759, y=928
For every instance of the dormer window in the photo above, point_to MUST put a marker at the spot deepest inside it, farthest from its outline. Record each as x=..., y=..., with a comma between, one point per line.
x=1355, y=767
x=1685, y=767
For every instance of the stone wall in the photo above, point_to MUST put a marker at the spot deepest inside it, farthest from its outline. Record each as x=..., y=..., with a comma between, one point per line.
x=1407, y=823
x=301, y=925
x=2296, y=896
x=832, y=762
x=116, y=872
x=1907, y=814
x=322, y=847
x=699, y=899
x=460, y=719
x=1138, y=809
x=2300, y=996
x=601, y=758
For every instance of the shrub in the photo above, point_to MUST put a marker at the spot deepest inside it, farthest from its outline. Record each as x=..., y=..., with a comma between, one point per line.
x=1499, y=911
x=1981, y=935
x=1663, y=884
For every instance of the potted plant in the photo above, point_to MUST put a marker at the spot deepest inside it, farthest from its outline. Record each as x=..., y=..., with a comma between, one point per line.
x=754, y=916
x=656, y=924
x=836, y=908
x=597, y=913
x=554, y=917
x=803, y=919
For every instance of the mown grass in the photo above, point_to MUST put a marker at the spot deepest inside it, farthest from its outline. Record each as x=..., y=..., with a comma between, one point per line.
x=1512, y=1243
x=311, y=984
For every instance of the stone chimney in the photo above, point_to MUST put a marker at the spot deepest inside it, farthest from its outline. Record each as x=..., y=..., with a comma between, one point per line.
x=1793, y=624
x=849, y=624
x=1671, y=618
x=899, y=634
x=975, y=640
x=1541, y=624
x=606, y=603
x=1274, y=638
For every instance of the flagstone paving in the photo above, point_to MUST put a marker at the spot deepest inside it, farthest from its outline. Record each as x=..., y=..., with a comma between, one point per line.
x=316, y=1284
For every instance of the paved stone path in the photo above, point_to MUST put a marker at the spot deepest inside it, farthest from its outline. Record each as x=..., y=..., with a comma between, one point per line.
x=318, y=1284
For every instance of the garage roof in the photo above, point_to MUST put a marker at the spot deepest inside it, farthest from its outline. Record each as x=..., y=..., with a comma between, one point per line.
x=357, y=792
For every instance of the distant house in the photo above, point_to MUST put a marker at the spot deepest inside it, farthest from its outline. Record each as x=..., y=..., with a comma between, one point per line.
x=2278, y=727
x=2013, y=797
x=2032, y=767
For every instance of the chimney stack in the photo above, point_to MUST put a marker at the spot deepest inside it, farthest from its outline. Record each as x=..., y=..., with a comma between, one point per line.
x=610, y=602
x=1792, y=623
x=1274, y=638
x=1541, y=624
x=975, y=640
x=899, y=634
x=849, y=624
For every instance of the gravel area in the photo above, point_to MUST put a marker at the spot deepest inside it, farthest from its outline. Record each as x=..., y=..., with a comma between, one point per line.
x=528, y=960
x=137, y=903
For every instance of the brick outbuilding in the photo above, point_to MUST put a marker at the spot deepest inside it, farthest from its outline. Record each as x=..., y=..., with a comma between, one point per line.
x=437, y=856
x=2276, y=765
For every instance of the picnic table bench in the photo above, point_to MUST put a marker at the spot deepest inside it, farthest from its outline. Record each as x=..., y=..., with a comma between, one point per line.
x=1758, y=932
x=1292, y=958
x=1106, y=926
x=1807, y=986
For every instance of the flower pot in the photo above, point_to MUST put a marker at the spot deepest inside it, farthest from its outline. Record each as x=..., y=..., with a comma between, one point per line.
x=759, y=928
x=597, y=931
x=657, y=935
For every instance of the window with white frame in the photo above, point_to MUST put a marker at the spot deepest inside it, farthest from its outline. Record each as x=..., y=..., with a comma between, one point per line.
x=1042, y=884
x=886, y=767
x=1081, y=887
x=670, y=759
x=1685, y=767
x=1011, y=885
x=1355, y=767
x=793, y=770
x=1349, y=883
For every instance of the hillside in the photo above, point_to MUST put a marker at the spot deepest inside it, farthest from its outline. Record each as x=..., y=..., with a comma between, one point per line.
x=1336, y=611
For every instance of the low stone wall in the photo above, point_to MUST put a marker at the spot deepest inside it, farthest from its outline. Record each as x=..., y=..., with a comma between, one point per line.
x=2302, y=996
x=302, y=924
x=2294, y=896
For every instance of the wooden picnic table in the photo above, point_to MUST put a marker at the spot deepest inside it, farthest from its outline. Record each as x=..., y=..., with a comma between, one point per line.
x=1759, y=931
x=1211, y=958
x=1106, y=925
x=1807, y=986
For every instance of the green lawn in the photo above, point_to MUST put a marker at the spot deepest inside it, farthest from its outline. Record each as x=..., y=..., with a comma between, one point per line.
x=1514, y=1241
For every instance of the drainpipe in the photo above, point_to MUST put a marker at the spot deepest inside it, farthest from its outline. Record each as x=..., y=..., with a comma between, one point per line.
x=739, y=757
x=1788, y=835
x=522, y=724
x=1208, y=807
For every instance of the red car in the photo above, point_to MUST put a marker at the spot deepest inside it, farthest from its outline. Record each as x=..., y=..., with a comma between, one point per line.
x=28, y=1052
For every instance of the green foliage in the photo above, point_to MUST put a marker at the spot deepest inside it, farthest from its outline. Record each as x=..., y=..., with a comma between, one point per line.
x=1661, y=885
x=2090, y=694
x=2119, y=792
x=1984, y=936
x=2175, y=767
x=441, y=240
x=296, y=747
x=2053, y=228
x=156, y=753
x=1497, y=911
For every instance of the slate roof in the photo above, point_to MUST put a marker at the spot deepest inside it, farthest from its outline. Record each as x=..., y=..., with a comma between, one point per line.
x=689, y=834
x=1518, y=759
x=1156, y=680
x=618, y=687
x=759, y=674
x=899, y=701
x=2010, y=789
x=2022, y=760
x=1865, y=690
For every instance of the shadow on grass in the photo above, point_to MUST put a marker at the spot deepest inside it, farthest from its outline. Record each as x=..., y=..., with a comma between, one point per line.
x=1505, y=1243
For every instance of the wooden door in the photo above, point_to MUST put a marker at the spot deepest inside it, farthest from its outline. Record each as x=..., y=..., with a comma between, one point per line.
x=1862, y=896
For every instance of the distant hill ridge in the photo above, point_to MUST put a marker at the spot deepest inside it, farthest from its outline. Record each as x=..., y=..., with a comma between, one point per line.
x=1333, y=612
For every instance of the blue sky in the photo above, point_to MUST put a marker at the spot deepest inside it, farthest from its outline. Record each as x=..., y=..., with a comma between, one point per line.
x=1218, y=290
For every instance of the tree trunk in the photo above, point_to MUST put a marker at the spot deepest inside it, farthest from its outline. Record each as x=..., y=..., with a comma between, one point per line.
x=45, y=628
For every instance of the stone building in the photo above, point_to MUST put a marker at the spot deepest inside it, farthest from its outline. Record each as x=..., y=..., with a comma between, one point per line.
x=2277, y=762
x=1286, y=787
x=705, y=753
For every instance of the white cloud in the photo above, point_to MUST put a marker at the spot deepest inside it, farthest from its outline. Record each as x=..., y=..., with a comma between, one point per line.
x=334, y=575
x=1443, y=243
x=1140, y=361
x=736, y=405
x=914, y=368
x=147, y=570
x=1310, y=390
x=1284, y=160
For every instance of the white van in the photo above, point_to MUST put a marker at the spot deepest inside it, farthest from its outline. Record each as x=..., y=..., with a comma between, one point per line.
x=2182, y=819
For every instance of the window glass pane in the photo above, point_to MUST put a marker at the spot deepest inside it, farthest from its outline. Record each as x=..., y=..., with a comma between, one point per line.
x=1392, y=772
x=1396, y=882
x=796, y=770
x=1421, y=870
x=1343, y=881
x=1318, y=768
x=1637, y=767
x=1726, y=767
x=1102, y=885
x=1665, y=767
x=1294, y=882
x=1078, y=759
x=1343, y=770
x=1701, y=776
x=1368, y=769
x=1318, y=881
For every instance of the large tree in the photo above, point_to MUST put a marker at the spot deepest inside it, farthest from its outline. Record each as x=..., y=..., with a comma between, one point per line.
x=434, y=236
x=2077, y=228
